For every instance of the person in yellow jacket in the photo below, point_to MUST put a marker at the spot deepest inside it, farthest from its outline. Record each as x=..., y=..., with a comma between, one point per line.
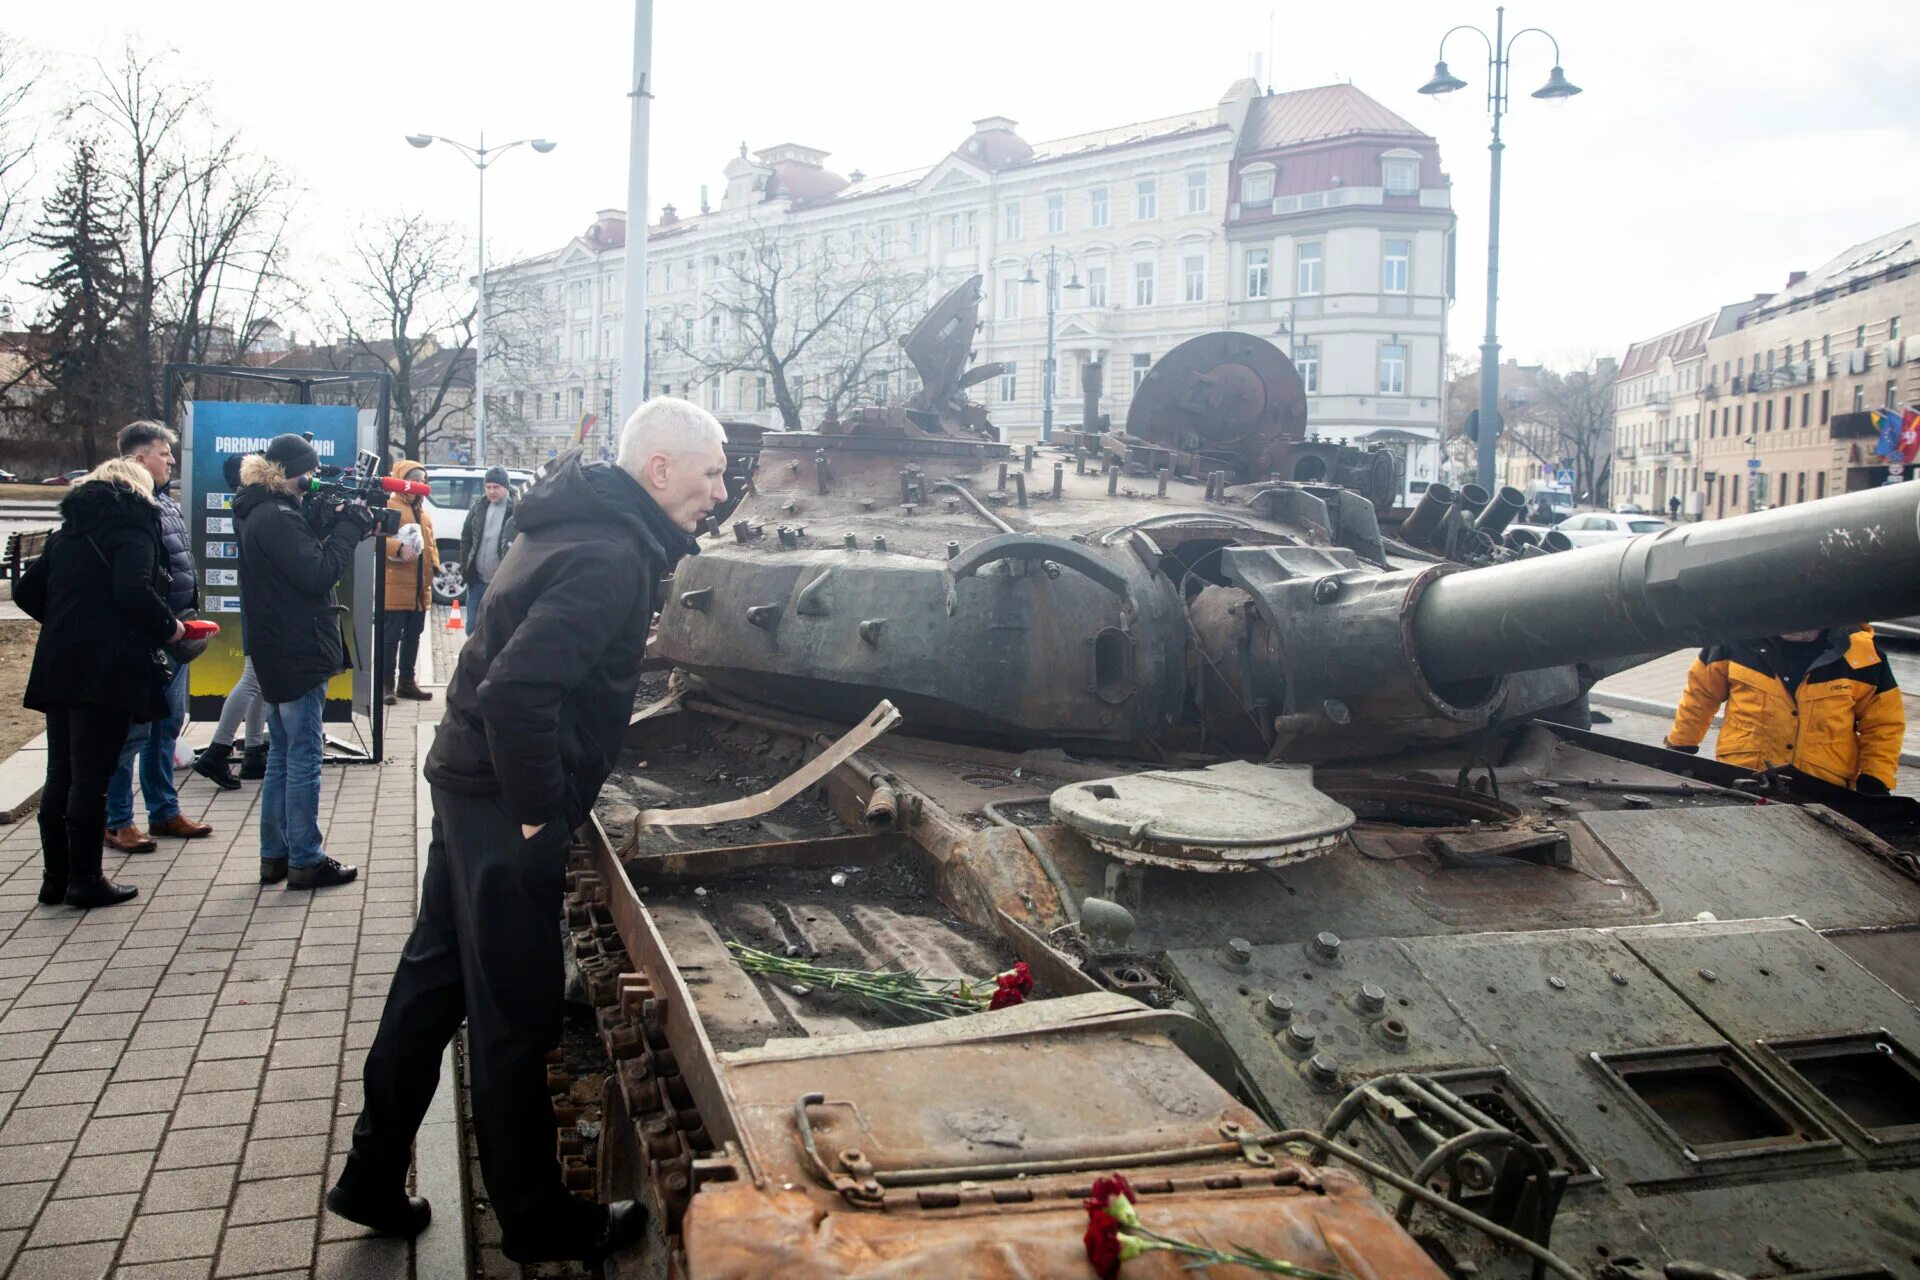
x=412, y=560
x=1824, y=702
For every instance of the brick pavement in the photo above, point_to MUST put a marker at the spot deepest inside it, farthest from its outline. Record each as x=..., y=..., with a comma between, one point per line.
x=179, y=1076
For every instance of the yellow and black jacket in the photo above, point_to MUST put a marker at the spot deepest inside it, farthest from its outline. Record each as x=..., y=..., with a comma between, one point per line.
x=1845, y=719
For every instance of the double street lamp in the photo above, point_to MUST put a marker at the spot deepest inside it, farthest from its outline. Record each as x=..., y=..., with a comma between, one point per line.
x=1054, y=257
x=480, y=155
x=1557, y=88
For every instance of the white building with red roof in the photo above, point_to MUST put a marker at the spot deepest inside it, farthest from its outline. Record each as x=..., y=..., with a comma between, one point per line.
x=1145, y=217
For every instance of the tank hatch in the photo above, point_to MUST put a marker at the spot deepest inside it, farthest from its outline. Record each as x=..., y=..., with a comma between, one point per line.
x=1228, y=817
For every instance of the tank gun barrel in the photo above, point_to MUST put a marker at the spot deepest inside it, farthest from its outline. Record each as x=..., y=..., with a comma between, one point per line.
x=1790, y=569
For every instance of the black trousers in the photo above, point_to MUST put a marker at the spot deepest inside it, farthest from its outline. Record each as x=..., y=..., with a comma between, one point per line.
x=486, y=947
x=83, y=749
x=401, y=639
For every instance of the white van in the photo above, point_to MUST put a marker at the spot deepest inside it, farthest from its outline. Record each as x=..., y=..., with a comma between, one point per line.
x=454, y=489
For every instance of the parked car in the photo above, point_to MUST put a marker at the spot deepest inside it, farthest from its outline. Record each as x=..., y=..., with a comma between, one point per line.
x=7, y=477
x=1587, y=527
x=454, y=489
x=65, y=477
x=1630, y=509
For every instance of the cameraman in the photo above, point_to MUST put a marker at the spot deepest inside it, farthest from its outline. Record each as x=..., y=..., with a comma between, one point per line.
x=290, y=558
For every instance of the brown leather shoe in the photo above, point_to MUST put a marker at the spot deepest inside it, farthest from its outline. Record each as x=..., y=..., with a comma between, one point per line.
x=129, y=839
x=182, y=826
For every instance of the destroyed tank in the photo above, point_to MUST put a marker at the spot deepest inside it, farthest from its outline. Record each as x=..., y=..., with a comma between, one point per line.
x=1350, y=942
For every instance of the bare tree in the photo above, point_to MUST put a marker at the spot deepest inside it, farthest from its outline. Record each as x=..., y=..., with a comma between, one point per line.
x=1576, y=411
x=206, y=220
x=405, y=299
x=18, y=74
x=818, y=318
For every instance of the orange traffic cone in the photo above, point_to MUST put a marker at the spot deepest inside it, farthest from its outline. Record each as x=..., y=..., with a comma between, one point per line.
x=453, y=619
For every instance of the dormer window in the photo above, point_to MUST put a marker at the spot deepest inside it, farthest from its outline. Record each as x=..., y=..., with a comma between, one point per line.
x=1400, y=173
x=1256, y=188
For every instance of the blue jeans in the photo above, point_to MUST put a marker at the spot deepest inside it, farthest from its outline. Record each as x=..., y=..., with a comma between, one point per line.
x=290, y=796
x=476, y=592
x=152, y=743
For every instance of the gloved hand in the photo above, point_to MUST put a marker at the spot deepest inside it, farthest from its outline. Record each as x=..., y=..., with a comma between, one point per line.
x=1868, y=785
x=412, y=543
x=354, y=516
x=1670, y=745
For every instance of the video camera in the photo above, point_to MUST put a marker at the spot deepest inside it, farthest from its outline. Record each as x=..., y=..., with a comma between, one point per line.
x=332, y=490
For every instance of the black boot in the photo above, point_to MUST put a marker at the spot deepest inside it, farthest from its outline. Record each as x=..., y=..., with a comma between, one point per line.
x=388, y=1210
x=216, y=763
x=53, y=890
x=253, y=763
x=95, y=890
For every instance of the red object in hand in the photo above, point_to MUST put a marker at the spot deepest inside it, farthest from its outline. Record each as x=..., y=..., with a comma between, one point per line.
x=199, y=629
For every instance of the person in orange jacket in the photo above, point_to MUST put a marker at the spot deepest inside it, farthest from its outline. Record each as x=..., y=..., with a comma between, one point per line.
x=412, y=560
x=1824, y=702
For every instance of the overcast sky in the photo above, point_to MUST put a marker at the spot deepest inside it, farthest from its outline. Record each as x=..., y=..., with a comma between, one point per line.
x=1717, y=146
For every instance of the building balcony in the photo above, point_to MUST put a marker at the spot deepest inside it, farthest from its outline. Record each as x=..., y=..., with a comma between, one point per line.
x=1624, y=452
x=1662, y=400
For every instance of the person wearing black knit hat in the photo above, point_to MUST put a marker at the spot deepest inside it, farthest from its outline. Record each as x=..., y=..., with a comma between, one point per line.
x=287, y=574
x=484, y=538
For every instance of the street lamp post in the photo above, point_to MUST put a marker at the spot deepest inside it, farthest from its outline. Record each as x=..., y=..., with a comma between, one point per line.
x=1053, y=296
x=1557, y=87
x=480, y=155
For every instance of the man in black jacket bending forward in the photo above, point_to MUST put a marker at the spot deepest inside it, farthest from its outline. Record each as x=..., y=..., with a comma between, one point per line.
x=539, y=701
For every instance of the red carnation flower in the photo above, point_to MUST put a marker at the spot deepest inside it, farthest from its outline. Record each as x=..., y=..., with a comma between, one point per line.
x=1006, y=998
x=1019, y=976
x=1102, y=1241
x=1105, y=1189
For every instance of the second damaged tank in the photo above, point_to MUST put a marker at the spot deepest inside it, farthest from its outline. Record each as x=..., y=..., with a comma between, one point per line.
x=1345, y=945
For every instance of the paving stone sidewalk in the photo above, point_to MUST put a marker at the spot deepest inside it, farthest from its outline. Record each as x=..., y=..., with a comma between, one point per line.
x=179, y=1076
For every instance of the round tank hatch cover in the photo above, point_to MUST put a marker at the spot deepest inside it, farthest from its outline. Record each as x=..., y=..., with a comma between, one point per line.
x=1228, y=817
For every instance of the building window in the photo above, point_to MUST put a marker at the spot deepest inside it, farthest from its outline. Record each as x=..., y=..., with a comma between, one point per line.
x=1193, y=277
x=1826, y=407
x=1740, y=418
x=1819, y=485
x=973, y=227
x=1769, y=415
x=1197, y=191
x=1009, y=383
x=579, y=404
x=1893, y=393
x=1010, y=298
x=1056, y=214
x=1010, y=221
x=1806, y=408
x=1786, y=413
x=913, y=235
x=760, y=392
x=1309, y=270
x=1307, y=360
x=1393, y=273
x=1097, y=207
x=1142, y=361
x=1400, y=177
x=1146, y=199
x=1859, y=397
x=1143, y=274
x=1256, y=189
x=1826, y=344
x=886, y=239
x=1258, y=265
x=580, y=343
x=1800, y=488
x=1893, y=328
x=1860, y=336
x=1096, y=286
x=1393, y=369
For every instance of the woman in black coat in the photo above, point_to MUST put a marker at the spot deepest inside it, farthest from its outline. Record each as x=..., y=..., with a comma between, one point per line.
x=99, y=594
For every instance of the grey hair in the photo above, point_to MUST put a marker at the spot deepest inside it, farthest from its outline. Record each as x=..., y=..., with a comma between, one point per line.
x=666, y=425
x=142, y=432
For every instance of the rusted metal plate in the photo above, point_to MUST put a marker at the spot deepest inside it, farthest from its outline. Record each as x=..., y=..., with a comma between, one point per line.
x=736, y=1233
x=877, y=722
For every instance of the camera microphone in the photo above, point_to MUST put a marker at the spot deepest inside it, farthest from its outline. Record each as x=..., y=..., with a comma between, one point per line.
x=407, y=488
x=386, y=484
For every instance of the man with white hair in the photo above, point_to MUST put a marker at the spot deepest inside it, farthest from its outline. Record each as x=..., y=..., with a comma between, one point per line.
x=535, y=715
